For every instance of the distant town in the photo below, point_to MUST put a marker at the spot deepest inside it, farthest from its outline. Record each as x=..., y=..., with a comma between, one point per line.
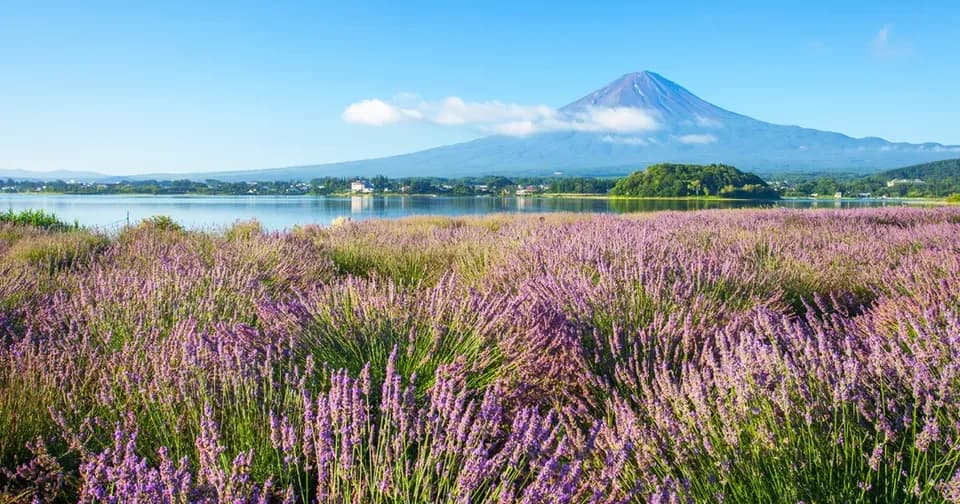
x=493, y=185
x=931, y=180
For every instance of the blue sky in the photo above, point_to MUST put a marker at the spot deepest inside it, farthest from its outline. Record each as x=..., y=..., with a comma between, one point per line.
x=133, y=87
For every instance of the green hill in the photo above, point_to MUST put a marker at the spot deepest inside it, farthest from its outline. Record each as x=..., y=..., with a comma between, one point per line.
x=936, y=179
x=939, y=178
x=688, y=180
x=936, y=171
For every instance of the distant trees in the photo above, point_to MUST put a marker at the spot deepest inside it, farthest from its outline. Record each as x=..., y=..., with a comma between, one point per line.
x=581, y=185
x=420, y=186
x=939, y=179
x=948, y=170
x=683, y=180
x=329, y=185
x=658, y=180
x=462, y=190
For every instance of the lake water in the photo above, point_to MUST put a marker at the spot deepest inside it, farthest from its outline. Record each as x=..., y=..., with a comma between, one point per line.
x=280, y=212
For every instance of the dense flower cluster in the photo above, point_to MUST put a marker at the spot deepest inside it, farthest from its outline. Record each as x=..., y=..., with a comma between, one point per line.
x=737, y=356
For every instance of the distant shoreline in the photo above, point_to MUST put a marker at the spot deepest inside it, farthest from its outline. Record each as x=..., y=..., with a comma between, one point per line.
x=590, y=196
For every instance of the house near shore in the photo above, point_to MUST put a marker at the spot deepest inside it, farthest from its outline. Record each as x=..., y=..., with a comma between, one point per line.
x=523, y=191
x=361, y=186
x=896, y=182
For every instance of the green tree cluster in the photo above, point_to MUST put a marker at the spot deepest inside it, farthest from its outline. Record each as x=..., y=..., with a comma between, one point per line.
x=687, y=180
x=581, y=185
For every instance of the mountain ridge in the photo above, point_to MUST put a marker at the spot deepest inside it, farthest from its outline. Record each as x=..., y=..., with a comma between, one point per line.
x=652, y=91
x=689, y=130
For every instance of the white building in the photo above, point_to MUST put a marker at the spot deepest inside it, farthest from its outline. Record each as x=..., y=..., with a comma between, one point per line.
x=361, y=186
x=523, y=191
x=896, y=182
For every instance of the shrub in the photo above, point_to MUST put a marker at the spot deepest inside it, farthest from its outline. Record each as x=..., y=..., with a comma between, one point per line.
x=36, y=218
x=162, y=223
x=244, y=230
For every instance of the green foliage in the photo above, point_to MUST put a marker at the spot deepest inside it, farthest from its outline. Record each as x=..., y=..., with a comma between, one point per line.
x=954, y=198
x=683, y=180
x=749, y=191
x=407, y=262
x=581, y=185
x=35, y=218
x=349, y=329
x=162, y=223
x=948, y=171
x=938, y=179
x=244, y=230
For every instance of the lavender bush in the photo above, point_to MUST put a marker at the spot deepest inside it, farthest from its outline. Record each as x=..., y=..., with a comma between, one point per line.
x=741, y=356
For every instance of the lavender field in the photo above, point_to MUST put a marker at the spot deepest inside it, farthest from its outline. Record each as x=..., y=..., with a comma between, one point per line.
x=717, y=356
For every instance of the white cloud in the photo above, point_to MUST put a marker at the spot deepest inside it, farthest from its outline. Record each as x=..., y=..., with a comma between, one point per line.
x=498, y=117
x=697, y=139
x=884, y=48
x=456, y=111
x=707, y=122
x=921, y=148
x=625, y=140
x=619, y=119
x=515, y=128
x=377, y=113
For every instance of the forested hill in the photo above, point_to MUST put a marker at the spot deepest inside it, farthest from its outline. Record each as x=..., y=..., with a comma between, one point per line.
x=935, y=179
x=937, y=171
x=688, y=180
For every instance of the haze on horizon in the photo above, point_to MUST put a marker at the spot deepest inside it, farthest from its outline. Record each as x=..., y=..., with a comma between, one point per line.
x=182, y=87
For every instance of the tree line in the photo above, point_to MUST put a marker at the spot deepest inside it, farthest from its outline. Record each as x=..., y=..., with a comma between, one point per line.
x=938, y=179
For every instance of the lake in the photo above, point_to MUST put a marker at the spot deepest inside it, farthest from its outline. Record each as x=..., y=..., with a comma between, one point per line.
x=281, y=212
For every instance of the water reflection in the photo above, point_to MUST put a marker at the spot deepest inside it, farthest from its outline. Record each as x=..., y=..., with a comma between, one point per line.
x=279, y=212
x=360, y=204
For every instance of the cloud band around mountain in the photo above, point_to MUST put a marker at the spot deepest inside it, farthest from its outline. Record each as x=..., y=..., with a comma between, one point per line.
x=499, y=117
x=376, y=112
x=697, y=139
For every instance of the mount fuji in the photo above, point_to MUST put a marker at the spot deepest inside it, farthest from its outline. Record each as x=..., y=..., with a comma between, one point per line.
x=689, y=130
x=686, y=129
